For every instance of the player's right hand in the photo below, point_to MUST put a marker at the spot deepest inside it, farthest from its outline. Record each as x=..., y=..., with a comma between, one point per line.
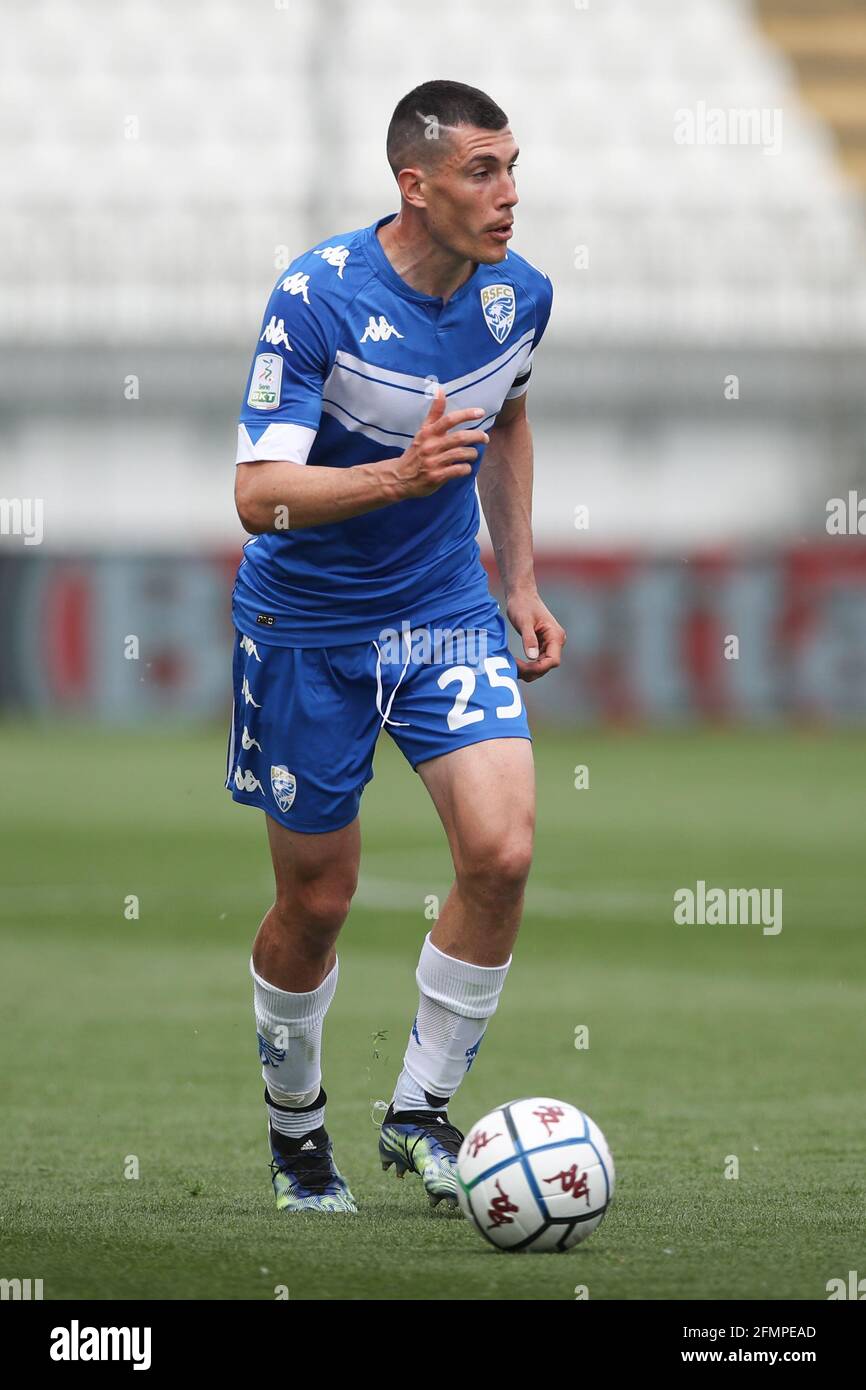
x=435, y=455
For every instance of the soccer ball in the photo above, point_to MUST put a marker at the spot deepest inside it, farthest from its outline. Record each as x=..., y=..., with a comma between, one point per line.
x=535, y=1175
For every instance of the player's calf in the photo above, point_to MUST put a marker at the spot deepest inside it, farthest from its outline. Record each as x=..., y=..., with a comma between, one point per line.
x=456, y=1001
x=289, y=1029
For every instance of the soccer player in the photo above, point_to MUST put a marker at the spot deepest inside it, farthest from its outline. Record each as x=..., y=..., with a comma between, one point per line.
x=390, y=374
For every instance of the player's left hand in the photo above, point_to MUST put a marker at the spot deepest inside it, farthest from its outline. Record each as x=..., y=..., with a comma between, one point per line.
x=543, y=638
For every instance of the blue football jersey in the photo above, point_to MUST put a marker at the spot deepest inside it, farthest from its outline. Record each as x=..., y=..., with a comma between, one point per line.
x=342, y=374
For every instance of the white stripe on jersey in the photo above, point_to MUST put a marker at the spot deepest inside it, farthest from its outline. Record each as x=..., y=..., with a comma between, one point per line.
x=406, y=379
x=358, y=394
x=514, y=357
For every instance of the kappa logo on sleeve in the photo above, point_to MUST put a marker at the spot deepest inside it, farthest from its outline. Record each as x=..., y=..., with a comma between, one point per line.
x=336, y=256
x=266, y=382
x=275, y=332
x=297, y=284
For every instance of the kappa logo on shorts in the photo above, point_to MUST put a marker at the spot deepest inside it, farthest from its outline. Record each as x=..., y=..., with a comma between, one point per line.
x=283, y=786
x=249, y=646
x=246, y=781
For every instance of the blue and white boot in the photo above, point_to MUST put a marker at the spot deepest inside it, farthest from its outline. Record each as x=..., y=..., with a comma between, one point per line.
x=304, y=1173
x=422, y=1142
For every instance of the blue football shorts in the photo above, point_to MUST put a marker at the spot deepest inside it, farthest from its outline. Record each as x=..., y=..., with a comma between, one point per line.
x=306, y=719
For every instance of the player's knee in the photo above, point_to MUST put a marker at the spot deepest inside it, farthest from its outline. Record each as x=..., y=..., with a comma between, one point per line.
x=318, y=905
x=497, y=868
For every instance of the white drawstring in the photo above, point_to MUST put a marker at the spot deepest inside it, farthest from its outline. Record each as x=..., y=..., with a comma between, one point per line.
x=398, y=723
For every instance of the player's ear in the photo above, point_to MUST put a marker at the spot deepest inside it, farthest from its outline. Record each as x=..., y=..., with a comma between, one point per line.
x=409, y=182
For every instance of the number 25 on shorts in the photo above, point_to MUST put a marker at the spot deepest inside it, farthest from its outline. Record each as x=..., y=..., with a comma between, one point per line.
x=465, y=676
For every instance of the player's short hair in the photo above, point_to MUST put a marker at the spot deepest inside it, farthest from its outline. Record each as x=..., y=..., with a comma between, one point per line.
x=419, y=117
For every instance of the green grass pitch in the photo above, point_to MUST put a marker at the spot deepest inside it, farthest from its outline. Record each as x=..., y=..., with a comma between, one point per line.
x=135, y=1037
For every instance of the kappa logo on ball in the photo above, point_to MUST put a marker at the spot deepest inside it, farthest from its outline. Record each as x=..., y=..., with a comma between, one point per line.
x=283, y=786
x=499, y=306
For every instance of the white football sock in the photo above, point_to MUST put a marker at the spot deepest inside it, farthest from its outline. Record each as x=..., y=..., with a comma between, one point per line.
x=295, y=1123
x=289, y=1028
x=457, y=999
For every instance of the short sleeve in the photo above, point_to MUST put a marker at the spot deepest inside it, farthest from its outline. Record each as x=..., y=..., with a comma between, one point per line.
x=283, y=400
x=520, y=384
x=542, y=311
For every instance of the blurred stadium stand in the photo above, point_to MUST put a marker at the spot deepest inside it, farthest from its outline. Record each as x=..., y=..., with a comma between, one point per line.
x=163, y=159
x=826, y=42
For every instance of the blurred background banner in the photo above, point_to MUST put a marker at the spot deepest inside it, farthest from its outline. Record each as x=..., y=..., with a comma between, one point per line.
x=692, y=180
x=700, y=636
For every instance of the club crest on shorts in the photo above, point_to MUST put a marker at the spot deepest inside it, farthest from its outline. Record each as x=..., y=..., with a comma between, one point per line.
x=498, y=303
x=283, y=786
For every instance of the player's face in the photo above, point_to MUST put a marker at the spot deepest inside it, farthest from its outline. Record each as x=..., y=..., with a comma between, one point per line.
x=471, y=194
